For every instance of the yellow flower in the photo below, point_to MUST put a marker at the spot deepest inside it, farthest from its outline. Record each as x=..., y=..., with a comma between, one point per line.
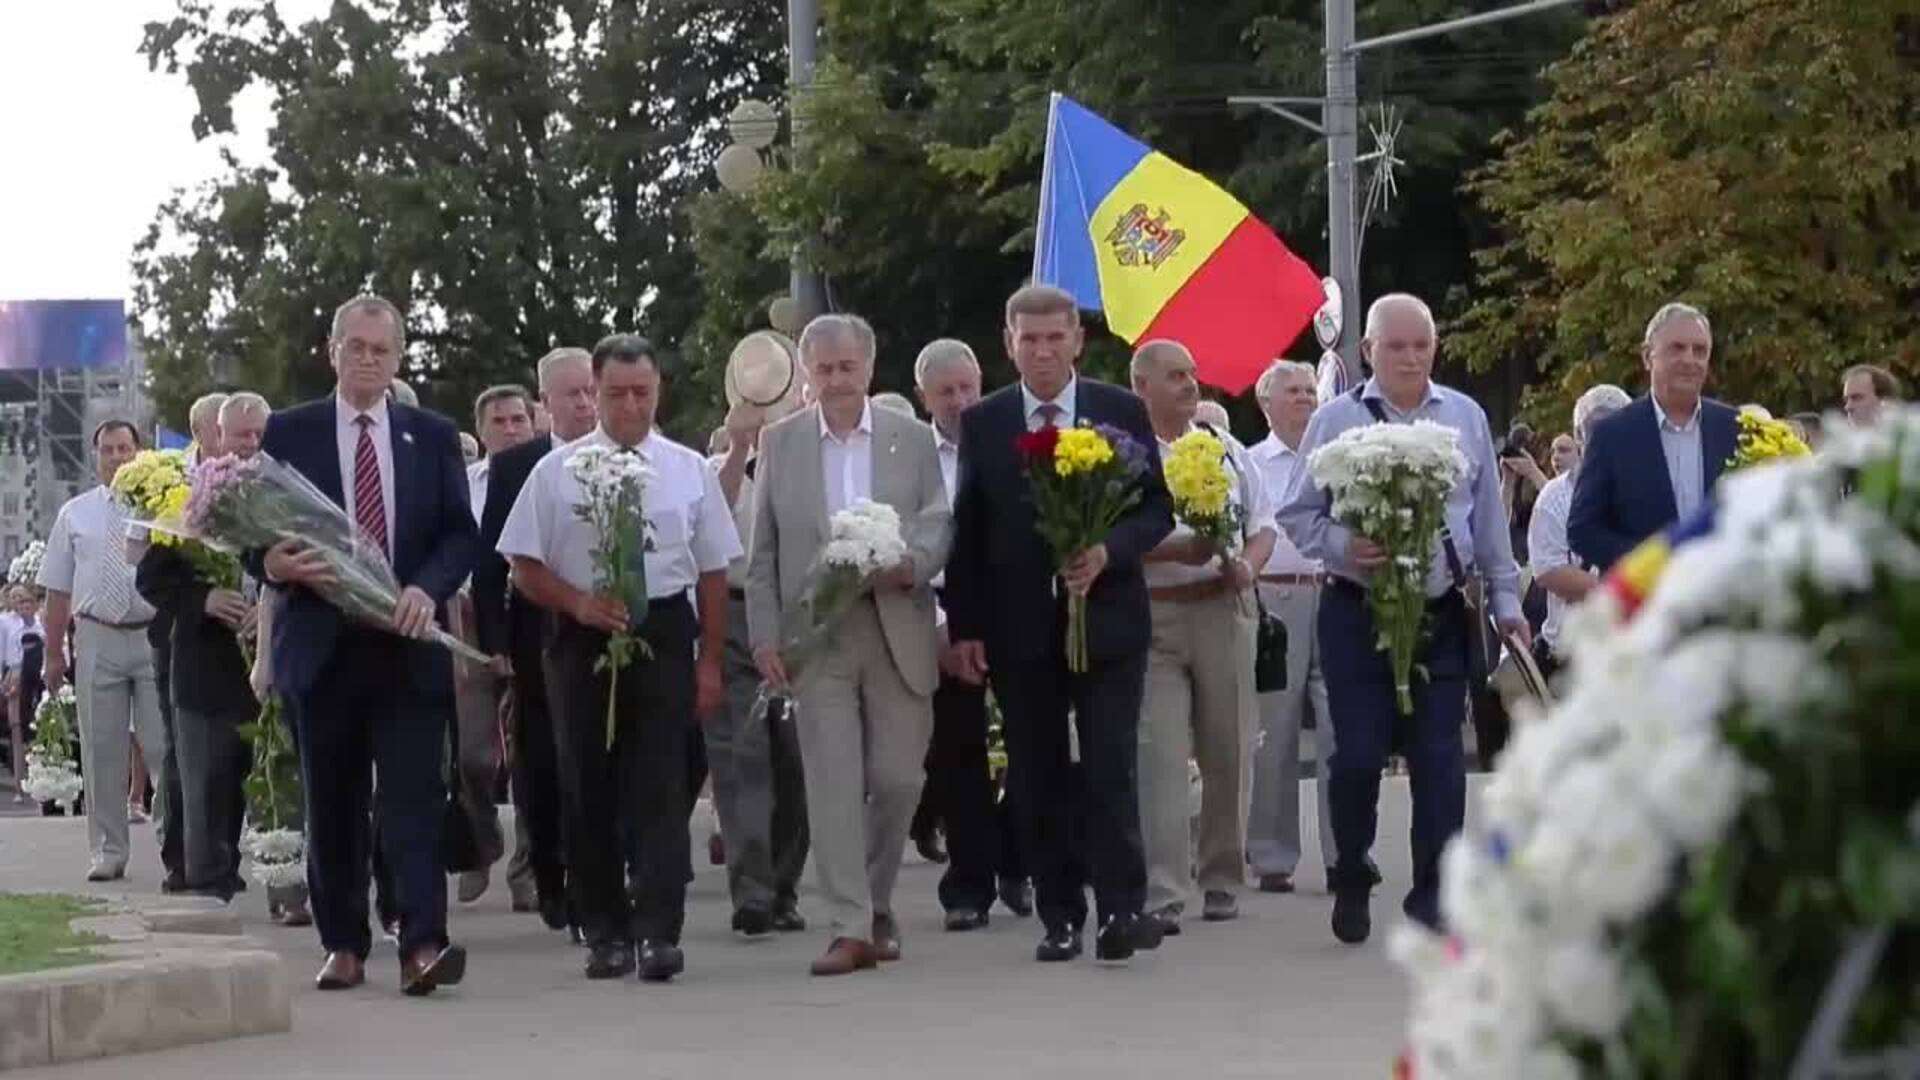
x=1196, y=472
x=1764, y=440
x=1081, y=450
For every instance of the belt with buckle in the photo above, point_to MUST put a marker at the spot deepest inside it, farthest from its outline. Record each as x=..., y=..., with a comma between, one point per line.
x=112, y=625
x=1314, y=580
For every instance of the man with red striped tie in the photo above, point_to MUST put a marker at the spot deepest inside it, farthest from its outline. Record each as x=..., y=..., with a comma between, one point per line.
x=370, y=705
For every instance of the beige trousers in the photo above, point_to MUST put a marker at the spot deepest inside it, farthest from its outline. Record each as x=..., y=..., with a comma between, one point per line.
x=1199, y=705
x=863, y=746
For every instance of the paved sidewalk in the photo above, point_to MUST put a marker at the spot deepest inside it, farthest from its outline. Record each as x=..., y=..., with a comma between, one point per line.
x=1271, y=995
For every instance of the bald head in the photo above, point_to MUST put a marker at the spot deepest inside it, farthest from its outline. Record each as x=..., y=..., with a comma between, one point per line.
x=1163, y=376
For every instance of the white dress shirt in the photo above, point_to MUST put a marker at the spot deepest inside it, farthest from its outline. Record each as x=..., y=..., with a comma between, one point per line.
x=10, y=627
x=87, y=559
x=477, y=475
x=686, y=518
x=1064, y=400
x=1278, y=463
x=949, y=452
x=347, y=433
x=846, y=465
x=1547, y=547
x=742, y=510
x=1249, y=492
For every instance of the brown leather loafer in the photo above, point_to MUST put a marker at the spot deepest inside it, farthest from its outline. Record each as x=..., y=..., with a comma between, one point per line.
x=1276, y=883
x=886, y=938
x=429, y=969
x=846, y=956
x=342, y=971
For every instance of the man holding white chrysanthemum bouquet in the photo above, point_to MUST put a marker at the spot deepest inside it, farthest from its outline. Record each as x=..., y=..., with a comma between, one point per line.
x=850, y=524
x=1401, y=500
x=1200, y=701
x=611, y=532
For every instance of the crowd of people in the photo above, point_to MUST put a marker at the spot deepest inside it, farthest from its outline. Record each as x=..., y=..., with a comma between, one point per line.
x=883, y=737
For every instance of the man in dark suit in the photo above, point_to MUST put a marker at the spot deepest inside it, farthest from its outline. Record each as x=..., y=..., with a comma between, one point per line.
x=370, y=700
x=1656, y=461
x=511, y=626
x=1007, y=603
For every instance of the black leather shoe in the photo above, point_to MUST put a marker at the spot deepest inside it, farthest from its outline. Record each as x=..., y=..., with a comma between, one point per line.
x=960, y=919
x=1147, y=934
x=612, y=960
x=1016, y=894
x=1425, y=910
x=1115, y=942
x=752, y=923
x=1168, y=919
x=1058, y=946
x=788, y=920
x=660, y=961
x=553, y=911
x=1352, y=922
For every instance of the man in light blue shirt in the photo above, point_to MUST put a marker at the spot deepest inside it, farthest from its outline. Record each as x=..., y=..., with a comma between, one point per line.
x=1400, y=343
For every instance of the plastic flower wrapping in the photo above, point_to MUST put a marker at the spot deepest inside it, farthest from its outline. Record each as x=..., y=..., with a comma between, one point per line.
x=1667, y=867
x=1201, y=482
x=1390, y=484
x=25, y=567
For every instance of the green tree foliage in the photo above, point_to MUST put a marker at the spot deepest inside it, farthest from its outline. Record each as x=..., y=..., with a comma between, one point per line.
x=929, y=119
x=1759, y=158
x=513, y=174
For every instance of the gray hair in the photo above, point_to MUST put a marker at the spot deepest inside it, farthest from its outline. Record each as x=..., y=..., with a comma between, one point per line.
x=206, y=407
x=370, y=302
x=404, y=394
x=243, y=402
x=887, y=399
x=1379, y=307
x=1147, y=358
x=1209, y=411
x=1594, y=406
x=939, y=354
x=848, y=328
x=565, y=354
x=1263, y=390
x=1669, y=312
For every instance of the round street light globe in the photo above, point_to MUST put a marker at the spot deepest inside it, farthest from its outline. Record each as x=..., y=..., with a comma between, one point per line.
x=784, y=315
x=740, y=168
x=753, y=123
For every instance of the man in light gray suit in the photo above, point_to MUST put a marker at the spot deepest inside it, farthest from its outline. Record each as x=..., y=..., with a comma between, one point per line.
x=865, y=700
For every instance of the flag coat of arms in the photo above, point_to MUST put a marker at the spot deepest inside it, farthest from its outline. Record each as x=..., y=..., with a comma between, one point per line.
x=1165, y=253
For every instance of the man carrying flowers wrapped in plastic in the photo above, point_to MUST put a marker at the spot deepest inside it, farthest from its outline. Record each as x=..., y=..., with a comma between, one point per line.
x=1401, y=500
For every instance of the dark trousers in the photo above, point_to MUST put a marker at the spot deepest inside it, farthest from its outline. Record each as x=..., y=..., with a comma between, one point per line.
x=1057, y=808
x=164, y=776
x=361, y=718
x=213, y=764
x=960, y=796
x=638, y=786
x=536, y=769
x=1360, y=697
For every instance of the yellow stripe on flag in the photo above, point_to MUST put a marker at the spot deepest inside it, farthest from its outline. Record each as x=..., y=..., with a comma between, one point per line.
x=1151, y=233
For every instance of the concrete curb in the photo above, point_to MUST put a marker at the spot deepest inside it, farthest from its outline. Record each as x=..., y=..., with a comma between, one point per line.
x=181, y=974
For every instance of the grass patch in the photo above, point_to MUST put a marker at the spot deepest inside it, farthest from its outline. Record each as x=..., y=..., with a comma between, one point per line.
x=34, y=934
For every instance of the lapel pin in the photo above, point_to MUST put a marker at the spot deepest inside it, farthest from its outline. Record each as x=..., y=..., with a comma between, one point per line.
x=407, y=437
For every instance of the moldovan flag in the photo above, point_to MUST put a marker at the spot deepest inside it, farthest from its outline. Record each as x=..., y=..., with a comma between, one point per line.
x=1164, y=252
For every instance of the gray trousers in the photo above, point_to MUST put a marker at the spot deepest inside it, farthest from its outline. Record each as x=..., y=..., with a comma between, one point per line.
x=213, y=761
x=1273, y=826
x=759, y=790
x=476, y=704
x=115, y=691
x=863, y=741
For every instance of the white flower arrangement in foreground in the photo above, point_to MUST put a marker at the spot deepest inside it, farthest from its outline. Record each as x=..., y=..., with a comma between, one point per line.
x=25, y=567
x=1596, y=805
x=52, y=774
x=1390, y=484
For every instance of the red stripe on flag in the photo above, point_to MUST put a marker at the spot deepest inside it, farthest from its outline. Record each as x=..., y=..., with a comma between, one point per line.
x=1242, y=309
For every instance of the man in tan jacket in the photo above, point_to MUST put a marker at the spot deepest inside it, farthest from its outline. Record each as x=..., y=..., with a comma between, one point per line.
x=864, y=700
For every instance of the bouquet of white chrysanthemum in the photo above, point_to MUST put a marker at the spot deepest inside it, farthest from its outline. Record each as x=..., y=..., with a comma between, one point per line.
x=862, y=540
x=613, y=482
x=52, y=774
x=25, y=568
x=1390, y=484
x=1674, y=873
x=279, y=856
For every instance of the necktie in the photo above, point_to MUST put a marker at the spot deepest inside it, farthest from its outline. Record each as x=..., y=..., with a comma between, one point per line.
x=369, y=504
x=114, y=595
x=1049, y=415
x=636, y=597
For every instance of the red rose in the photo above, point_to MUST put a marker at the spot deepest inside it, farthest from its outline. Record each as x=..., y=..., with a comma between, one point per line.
x=1036, y=447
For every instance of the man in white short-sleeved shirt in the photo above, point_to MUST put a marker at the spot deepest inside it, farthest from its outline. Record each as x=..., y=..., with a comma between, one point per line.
x=627, y=764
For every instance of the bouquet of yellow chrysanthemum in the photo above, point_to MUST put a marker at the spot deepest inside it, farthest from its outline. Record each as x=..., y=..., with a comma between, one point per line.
x=1083, y=479
x=154, y=489
x=1201, y=483
x=1762, y=440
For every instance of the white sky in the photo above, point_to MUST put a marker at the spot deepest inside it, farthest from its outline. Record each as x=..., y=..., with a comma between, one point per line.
x=91, y=142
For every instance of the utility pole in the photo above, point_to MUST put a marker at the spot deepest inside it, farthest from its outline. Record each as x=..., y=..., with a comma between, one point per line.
x=1340, y=127
x=803, y=42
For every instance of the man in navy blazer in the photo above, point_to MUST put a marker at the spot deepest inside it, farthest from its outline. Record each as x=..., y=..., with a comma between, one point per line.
x=1654, y=462
x=1007, y=619
x=368, y=701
